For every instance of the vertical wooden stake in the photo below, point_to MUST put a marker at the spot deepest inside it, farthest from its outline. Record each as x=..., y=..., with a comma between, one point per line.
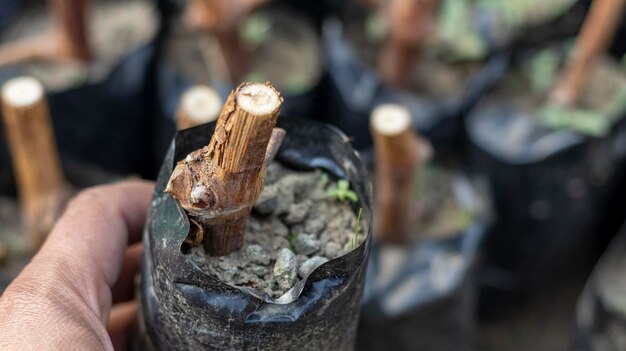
x=41, y=185
x=36, y=48
x=212, y=15
x=199, y=104
x=411, y=23
x=220, y=19
x=230, y=45
x=72, y=28
x=595, y=37
x=208, y=15
x=68, y=40
x=398, y=160
x=219, y=183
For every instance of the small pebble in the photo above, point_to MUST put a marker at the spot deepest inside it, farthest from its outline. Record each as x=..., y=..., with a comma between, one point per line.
x=229, y=273
x=301, y=259
x=347, y=247
x=309, y=265
x=285, y=269
x=305, y=244
x=297, y=212
x=258, y=254
x=314, y=225
x=332, y=249
x=224, y=264
x=279, y=242
x=259, y=271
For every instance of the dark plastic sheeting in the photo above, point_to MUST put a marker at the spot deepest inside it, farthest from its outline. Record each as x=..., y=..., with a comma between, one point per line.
x=186, y=309
x=108, y=124
x=601, y=312
x=353, y=91
x=429, y=304
x=554, y=194
x=172, y=83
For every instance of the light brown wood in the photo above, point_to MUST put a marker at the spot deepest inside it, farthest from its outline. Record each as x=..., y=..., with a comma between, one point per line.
x=595, y=37
x=199, y=104
x=219, y=184
x=68, y=39
x=41, y=184
x=398, y=159
x=29, y=49
x=218, y=15
x=219, y=19
x=411, y=23
x=71, y=28
x=235, y=57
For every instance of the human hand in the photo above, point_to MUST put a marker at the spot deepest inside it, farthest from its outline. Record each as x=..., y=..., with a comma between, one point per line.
x=76, y=293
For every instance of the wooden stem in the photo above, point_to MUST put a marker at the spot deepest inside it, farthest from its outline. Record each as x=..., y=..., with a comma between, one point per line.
x=72, y=28
x=68, y=41
x=398, y=159
x=199, y=104
x=29, y=49
x=411, y=23
x=218, y=15
x=219, y=183
x=219, y=18
x=595, y=37
x=237, y=61
x=41, y=184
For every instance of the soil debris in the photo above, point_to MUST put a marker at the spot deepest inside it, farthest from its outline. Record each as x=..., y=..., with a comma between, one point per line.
x=294, y=228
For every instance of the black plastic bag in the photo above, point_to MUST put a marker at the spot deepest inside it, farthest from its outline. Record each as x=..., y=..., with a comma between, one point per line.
x=106, y=124
x=428, y=304
x=353, y=90
x=601, y=312
x=186, y=309
x=173, y=81
x=554, y=194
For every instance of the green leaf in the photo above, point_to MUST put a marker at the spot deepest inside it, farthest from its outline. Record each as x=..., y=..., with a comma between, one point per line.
x=324, y=179
x=351, y=195
x=543, y=69
x=376, y=28
x=343, y=185
x=586, y=122
x=355, y=241
x=256, y=29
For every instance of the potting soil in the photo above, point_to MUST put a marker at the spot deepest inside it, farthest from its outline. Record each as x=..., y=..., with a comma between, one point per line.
x=296, y=226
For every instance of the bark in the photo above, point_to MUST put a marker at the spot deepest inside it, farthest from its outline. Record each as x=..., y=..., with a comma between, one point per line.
x=68, y=39
x=398, y=159
x=72, y=28
x=595, y=37
x=411, y=23
x=41, y=184
x=219, y=184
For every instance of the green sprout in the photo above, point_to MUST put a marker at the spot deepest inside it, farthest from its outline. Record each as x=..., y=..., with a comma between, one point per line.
x=355, y=241
x=256, y=76
x=459, y=37
x=543, y=69
x=324, y=179
x=586, y=122
x=291, y=237
x=376, y=28
x=342, y=191
x=256, y=30
x=297, y=83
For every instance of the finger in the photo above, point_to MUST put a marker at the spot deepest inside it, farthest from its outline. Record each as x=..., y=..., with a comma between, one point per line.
x=89, y=241
x=124, y=288
x=123, y=324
